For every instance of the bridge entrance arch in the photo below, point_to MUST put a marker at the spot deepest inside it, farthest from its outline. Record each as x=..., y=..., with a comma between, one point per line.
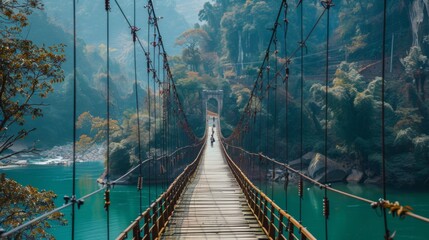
x=216, y=95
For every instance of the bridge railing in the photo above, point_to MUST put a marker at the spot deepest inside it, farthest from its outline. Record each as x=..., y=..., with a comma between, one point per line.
x=275, y=222
x=152, y=222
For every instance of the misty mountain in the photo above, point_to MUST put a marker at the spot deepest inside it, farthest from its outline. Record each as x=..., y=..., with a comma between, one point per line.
x=54, y=26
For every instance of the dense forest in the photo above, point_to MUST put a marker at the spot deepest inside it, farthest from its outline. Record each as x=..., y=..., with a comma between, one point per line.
x=224, y=51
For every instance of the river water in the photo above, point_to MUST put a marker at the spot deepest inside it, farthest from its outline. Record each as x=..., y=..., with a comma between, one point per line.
x=349, y=219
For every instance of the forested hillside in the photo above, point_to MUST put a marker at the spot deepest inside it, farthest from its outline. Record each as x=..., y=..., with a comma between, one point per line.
x=225, y=50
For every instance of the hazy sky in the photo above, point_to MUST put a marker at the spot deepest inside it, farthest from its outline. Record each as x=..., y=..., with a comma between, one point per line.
x=189, y=9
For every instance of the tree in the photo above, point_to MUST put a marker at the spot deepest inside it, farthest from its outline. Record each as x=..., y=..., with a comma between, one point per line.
x=27, y=74
x=19, y=204
x=414, y=60
x=192, y=40
x=352, y=110
x=96, y=127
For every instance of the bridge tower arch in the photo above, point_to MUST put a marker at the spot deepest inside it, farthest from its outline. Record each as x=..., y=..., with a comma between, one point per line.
x=213, y=94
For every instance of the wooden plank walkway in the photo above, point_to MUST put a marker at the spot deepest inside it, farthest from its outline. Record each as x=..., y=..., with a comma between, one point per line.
x=213, y=205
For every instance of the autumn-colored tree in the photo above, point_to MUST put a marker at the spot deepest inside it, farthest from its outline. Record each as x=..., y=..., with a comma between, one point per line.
x=19, y=204
x=27, y=73
x=96, y=128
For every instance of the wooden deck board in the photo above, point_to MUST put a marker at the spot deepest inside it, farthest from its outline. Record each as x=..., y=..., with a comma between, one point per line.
x=213, y=205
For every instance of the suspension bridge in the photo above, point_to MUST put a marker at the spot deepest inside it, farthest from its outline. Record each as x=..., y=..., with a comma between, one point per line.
x=215, y=195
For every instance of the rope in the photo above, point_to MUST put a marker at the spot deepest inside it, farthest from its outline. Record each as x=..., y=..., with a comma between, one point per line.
x=301, y=150
x=259, y=118
x=327, y=5
x=107, y=192
x=134, y=30
x=148, y=64
x=74, y=121
x=304, y=41
x=286, y=82
x=155, y=144
x=267, y=121
x=383, y=148
x=275, y=111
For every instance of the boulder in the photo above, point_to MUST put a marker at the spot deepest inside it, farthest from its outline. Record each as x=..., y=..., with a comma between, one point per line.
x=374, y=180
x=355, y=176
x=306, y=159
x=316, y=169
x=119, y=159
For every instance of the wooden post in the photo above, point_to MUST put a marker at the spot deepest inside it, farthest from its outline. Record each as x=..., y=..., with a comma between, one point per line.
x=146, y=227
x=264, y=219
x=280, y=235
x=161, y=212
x=290, y=229
x=155, y=221
x=271, y=231
x=136, y=230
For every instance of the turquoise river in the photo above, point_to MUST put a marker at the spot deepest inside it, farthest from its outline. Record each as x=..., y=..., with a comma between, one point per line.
x=349, y=219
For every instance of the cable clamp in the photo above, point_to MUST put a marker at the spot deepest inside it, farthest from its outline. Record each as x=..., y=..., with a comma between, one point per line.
x=107, y=199
x=134, y=30
x=66, y=199
x=303, y=45
x=80, y=202
x=107, y=5
x=327, y=4
x=395, y=208
x=326, y=207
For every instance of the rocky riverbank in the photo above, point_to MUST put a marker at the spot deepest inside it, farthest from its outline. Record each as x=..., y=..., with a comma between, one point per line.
x=314, y=167
x=57, y=155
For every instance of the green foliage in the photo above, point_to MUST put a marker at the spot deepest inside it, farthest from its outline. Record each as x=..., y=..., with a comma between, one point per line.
x=426, y=39
x=414, y=60
x=19, y=204
x=27, y=72
x=96, y=128
x=408, y=118
x=351, y=107
x=360, y=34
